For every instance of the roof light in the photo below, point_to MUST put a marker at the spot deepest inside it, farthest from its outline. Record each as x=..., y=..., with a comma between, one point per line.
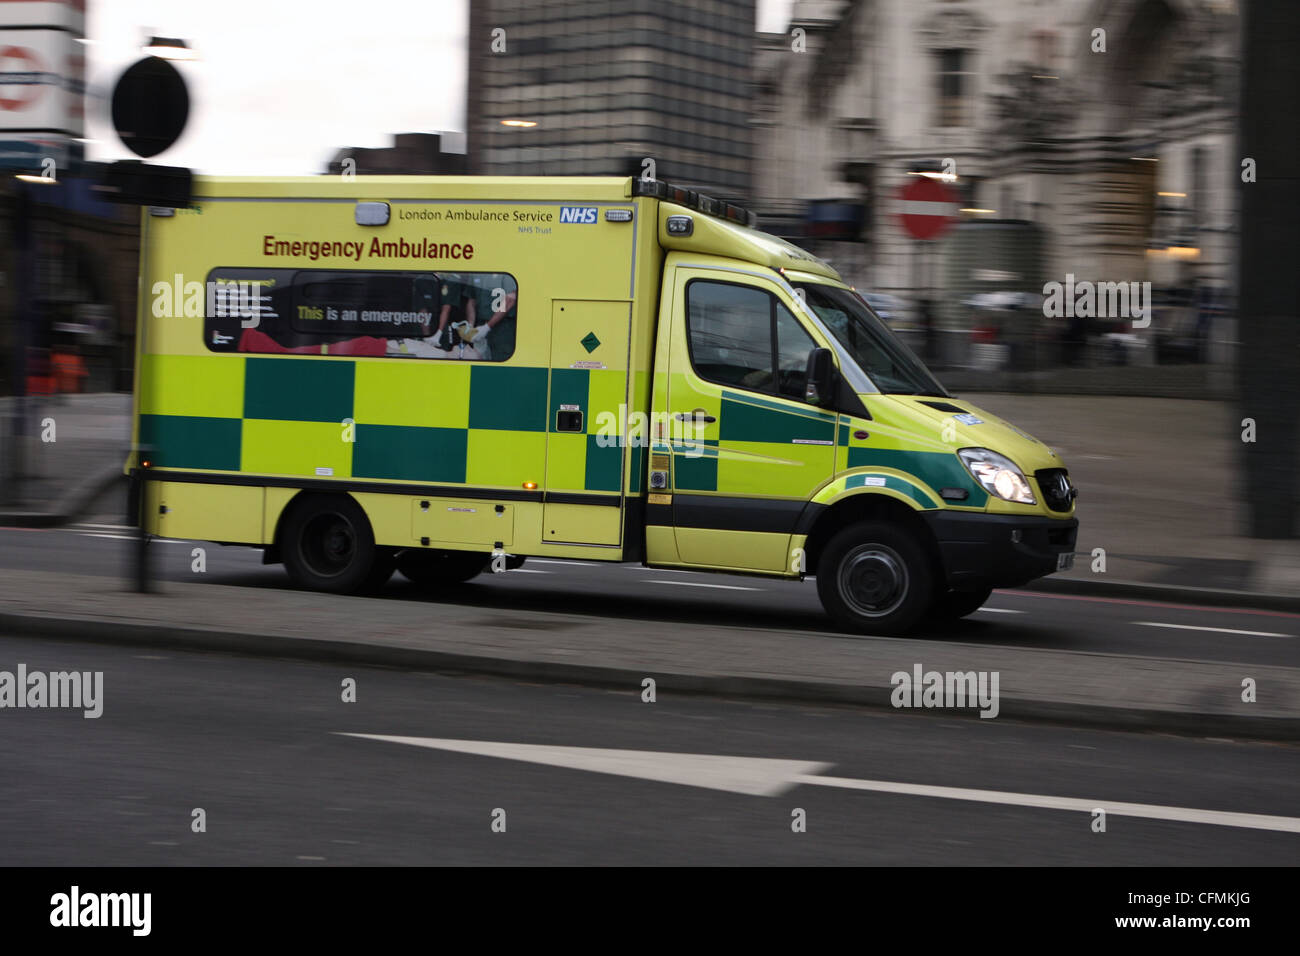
x=692, y=199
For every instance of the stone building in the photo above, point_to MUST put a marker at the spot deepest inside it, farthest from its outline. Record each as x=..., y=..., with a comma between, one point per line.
x=1102, y=130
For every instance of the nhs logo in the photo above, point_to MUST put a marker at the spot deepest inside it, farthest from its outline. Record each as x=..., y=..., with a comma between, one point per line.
x=584, y=214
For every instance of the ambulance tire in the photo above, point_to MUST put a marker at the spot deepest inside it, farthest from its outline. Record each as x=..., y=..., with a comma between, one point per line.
x=328, y=545
x=874, y=577
x=957, y=604
x=440, y=569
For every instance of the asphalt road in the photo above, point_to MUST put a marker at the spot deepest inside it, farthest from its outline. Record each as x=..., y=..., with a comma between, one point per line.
x=1011, y=618
x=256, y=745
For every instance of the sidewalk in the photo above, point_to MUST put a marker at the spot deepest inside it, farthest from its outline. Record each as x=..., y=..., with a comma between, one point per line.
x=1159, y=492
x=1201, y=697
x=1151, y=473
x=63, y=477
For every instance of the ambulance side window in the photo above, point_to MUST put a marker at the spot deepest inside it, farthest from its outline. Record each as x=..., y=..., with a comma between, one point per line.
x=793, y=344
x=744, y=337
x=729, y=333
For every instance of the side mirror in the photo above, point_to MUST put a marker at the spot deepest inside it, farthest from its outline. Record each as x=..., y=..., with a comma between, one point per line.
x=820, y=378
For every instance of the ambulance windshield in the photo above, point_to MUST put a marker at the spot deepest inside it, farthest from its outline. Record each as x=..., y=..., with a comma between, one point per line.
x=891, y=365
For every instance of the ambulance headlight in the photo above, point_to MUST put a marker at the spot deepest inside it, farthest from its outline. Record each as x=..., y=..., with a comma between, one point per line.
x=998, y=475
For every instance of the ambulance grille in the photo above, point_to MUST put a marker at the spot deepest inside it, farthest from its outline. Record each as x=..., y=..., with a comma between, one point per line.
x=1058, y=492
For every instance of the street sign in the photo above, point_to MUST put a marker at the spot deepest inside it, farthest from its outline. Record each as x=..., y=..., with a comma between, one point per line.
x=927, y=208
x=22, y=78
x=150, y=106
x=42, y=85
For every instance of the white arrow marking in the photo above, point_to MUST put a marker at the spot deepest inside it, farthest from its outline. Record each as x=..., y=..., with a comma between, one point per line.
x=1222, y=818
x=766, y=777
x=755, y=776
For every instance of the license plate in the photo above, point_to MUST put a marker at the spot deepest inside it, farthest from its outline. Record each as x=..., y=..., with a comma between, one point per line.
x=1065, y=561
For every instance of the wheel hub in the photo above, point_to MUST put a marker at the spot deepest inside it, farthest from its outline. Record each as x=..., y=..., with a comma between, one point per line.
x=329, y=544
x=873, y=580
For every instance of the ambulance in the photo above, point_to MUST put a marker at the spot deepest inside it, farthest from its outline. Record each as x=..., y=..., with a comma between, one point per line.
x=442, y=376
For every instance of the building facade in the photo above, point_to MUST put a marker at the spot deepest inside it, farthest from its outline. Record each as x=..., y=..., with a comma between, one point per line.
x=412, y=154
x=613, y=87
x=1100, y=131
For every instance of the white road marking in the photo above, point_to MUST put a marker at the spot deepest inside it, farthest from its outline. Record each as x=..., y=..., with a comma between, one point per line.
x=696, y=584
x=1217, y=630
x=755, y=776
x=527, y=571
x=127, y=537
x=1150, y=811
x=767, y=777
x=1000, y=610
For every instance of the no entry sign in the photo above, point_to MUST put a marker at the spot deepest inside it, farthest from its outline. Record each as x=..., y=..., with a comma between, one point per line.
x=926, y=208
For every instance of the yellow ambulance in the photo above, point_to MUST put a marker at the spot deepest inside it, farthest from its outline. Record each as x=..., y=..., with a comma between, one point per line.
x=445, y=375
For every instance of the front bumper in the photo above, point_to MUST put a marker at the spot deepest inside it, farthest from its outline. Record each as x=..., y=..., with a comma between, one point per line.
x=999, y=551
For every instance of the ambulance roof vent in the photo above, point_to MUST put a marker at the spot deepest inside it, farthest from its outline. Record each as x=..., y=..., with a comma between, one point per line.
x=692, y=199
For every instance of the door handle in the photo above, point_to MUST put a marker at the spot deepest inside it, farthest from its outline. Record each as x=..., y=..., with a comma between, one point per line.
x=699, y=415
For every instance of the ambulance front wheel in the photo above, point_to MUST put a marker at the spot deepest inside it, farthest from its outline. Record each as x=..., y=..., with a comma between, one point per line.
x=875, y=578
x=328, y=545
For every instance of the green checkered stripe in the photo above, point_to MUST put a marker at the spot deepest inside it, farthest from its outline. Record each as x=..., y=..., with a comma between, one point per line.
x=932, y=470
x=746, y=423
x=413, y=421
x=893, y=483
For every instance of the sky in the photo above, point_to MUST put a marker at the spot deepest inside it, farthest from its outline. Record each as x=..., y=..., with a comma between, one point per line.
x=279, y=85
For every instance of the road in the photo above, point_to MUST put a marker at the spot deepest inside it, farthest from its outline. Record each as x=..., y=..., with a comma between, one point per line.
x=256, y=745
x=1012, y=618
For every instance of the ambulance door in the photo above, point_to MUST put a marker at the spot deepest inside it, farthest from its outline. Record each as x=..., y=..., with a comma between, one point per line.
x=747, y=450
x=588, y=389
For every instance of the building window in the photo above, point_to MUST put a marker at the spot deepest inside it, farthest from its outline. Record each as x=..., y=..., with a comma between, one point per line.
x=953, y=89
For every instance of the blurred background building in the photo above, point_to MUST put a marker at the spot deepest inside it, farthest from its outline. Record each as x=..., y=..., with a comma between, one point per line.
x=597, y=87
x=412, y=154
x=1088, y=138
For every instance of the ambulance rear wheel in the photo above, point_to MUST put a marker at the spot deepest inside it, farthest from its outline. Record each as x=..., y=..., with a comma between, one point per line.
x=875, y=578
x=434, y=569
x=328, y=545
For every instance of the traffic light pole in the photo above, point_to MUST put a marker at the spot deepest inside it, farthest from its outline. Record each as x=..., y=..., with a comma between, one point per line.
x=1268, y=174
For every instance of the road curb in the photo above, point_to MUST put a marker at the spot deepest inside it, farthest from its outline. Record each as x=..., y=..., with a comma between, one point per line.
x=1171, y=593
x=1197, y=723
